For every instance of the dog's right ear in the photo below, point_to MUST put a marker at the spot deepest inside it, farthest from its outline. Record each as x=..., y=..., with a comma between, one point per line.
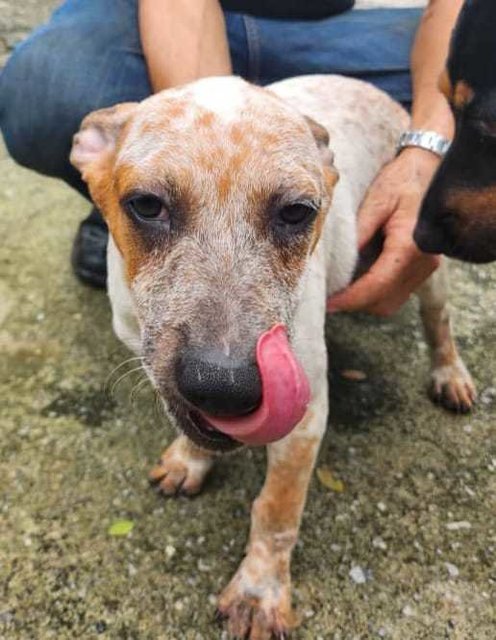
x=98, y=136
x=321, y=137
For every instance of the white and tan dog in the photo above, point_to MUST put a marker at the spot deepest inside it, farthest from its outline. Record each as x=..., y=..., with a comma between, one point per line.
x=229, y=231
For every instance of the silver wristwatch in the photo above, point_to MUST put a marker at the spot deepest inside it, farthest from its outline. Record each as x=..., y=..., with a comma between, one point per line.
x=429, y=140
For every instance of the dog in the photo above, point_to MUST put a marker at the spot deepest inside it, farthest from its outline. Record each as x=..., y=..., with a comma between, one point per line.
x=458, y=215
x=232, y=217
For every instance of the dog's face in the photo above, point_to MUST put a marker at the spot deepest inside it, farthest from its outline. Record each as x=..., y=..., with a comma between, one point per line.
x=215, y=195
x=458, y=216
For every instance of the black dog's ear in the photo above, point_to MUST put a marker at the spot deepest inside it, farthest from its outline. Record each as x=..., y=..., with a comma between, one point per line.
x=321, y=137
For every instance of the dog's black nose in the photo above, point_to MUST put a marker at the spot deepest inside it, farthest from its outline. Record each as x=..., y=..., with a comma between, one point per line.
x=218, y=384
x=431, y=237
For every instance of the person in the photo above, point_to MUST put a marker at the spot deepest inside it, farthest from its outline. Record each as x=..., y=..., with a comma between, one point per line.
x=96, y=53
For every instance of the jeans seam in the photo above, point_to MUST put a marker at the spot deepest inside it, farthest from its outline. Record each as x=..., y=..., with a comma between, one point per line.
x=253, y=44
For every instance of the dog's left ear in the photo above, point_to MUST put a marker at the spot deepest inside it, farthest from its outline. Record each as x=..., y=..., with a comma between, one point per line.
x=321, y=137
x=98, y=136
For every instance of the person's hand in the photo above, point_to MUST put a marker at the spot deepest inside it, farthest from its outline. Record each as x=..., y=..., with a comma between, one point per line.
x=392, y=203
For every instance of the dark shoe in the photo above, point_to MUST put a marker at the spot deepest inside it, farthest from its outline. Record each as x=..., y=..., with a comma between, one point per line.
x=89, y=251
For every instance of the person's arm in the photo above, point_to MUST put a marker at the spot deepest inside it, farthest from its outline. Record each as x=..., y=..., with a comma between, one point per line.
x=430, y=110
x=393, y=201
x=183, y=40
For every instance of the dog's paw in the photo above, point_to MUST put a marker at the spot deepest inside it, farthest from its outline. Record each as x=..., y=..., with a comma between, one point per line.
x=181, y=469
x=452, y=387
x=258, y=608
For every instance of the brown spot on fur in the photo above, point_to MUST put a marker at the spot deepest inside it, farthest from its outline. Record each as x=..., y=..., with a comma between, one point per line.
x=206, y=119
x=317, y=229
x=176, y=109
x=224, y=187
x=279, y=506
x=212, y=156
x=474, y=205
x=331, y=178
x=462, y=95
x=106, y=192
x=236, y=134
x=268, y=138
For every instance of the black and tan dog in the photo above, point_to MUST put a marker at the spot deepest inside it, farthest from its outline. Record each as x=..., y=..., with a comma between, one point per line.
x=458, y=216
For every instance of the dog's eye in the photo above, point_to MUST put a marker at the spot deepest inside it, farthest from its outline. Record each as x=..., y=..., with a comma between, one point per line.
x=296, y=214
x=147, y=207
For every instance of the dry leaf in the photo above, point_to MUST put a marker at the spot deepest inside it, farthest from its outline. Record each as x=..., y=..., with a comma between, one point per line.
x=355, y=375
x=324, y=474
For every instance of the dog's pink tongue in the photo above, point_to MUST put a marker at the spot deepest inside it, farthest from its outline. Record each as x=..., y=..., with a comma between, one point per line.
x=285, y=394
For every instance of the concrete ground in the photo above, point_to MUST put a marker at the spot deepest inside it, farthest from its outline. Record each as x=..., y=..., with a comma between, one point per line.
x=406, y=551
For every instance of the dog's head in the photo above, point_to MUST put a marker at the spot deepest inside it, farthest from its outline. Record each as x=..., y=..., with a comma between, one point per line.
x=458, y=216
x=215, y=195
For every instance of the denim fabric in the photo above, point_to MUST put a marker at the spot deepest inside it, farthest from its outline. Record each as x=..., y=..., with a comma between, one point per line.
x=89, y=56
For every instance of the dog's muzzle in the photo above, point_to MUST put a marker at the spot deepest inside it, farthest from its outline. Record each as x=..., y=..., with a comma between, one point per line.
x=253, y=403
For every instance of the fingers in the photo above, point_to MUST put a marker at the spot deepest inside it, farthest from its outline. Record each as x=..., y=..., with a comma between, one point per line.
x=373, y=214
x=388, y=284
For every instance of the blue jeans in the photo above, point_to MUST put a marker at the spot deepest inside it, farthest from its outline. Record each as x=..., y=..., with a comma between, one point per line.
x=89, y=56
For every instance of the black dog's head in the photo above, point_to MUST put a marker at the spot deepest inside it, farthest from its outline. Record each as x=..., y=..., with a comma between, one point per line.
x=458, y=215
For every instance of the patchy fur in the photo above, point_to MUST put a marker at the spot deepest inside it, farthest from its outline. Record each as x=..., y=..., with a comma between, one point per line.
x=226, y=158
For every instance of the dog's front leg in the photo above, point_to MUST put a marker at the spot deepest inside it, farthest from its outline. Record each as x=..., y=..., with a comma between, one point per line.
x=451, y=383
x=257, y=602
x=182, y=468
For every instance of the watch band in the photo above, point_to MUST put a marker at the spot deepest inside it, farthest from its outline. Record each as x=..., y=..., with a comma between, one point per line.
x=429, y=140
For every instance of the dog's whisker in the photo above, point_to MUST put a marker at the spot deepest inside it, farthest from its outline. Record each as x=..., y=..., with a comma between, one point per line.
x=121, y=378
x=137, y=388
x=119, y=366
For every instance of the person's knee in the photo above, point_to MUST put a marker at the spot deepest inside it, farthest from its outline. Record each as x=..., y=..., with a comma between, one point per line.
x=49, y=84
x=38, y=113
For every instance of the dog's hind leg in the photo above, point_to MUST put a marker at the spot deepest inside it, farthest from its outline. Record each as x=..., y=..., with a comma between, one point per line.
x=182, y=468
x=451, y=383
x=257, y=602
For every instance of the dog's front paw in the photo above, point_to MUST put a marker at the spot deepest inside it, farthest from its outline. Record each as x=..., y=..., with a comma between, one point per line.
x=452, y=386
x=257, y=605
x=182, y=468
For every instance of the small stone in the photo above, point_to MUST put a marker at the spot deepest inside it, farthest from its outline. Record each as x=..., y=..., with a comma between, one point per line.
x=408, y=611
x=452, y=570
x=467, y=428
x=358, y=575
x=488, y=396
x=354, y=375
x=382, y=507
x=457, y=526
x=170, y=551
x=203, y=566
x=379, y=543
